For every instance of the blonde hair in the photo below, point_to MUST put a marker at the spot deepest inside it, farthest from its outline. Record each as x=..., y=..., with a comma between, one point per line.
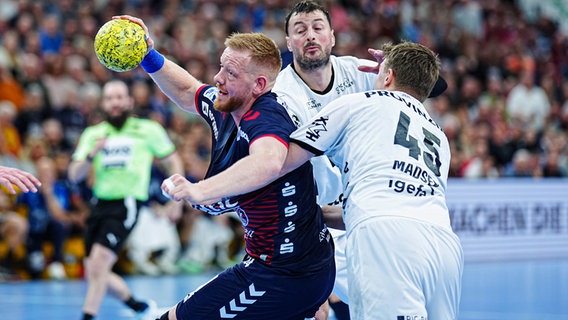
x=416, y=67
x=263, y=51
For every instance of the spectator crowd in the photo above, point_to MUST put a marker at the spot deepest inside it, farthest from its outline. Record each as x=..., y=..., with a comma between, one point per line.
x=505, y=111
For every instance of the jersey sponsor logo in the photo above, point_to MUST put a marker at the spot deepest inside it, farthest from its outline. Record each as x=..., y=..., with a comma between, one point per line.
x=312, y=104
x=291, y=227
x=117, y=152
x=242, y=134
x=207, y=112
x=239, y=304
x=242, y=215
x=248, y=262
x=210, y=93
x=400, y=186
x=217, y=208
x=288, y=190
x=287, y=246
x=346, y=84
x=290, y=209
x=324, y=235
x=408, y=317
x=248, y=233
x=317, y=126
x=296, y=120
x=338, y=201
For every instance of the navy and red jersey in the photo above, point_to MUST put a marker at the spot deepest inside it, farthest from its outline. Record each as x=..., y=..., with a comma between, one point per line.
x=283, y=224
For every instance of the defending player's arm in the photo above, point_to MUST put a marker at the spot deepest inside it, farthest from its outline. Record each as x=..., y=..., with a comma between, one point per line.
x=178, y=84
x=262, y=166
x=333, y=217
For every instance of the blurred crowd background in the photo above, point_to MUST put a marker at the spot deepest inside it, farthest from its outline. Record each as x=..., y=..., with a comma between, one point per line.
x=505, y=110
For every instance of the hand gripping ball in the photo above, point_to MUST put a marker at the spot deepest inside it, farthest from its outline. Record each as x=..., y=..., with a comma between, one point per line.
x=120, y=45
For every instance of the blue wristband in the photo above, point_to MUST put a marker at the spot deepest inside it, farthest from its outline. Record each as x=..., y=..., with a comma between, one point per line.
x=153, y=61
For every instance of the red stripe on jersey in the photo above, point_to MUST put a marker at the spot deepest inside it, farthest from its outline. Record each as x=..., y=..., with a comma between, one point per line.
x=196, y=98
x=284, y=142
x=251, y=115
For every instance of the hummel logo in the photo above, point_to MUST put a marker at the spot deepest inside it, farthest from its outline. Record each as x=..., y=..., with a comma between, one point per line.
x=111, y=239
x=240, y=305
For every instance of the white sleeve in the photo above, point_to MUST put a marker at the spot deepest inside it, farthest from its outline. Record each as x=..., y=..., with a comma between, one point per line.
x=324, y=132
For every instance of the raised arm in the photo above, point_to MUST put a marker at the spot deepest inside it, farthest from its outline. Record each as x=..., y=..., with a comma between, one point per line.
x=176, y=82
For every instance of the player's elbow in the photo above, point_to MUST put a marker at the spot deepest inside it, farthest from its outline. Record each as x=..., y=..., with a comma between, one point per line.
x=272, y=169
x=74, y=174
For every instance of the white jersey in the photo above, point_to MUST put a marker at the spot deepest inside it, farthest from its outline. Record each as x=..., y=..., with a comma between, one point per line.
x=394, y=158
x=302, y=103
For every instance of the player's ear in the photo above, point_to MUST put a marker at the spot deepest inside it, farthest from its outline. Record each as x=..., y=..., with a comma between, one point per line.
x=260, y=85
x=332, y=38
x=389, y=79
x=288, y=44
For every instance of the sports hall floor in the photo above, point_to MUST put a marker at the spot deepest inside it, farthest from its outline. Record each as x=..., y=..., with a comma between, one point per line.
x=516, y=290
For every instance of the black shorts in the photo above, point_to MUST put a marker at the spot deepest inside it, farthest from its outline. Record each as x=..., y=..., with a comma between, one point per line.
x=110, y=223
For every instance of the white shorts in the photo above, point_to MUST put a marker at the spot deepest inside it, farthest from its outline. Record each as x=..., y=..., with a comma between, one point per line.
x=400, y=268
x=340, y=284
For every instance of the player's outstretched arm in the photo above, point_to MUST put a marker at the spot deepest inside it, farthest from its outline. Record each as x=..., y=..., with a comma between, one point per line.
x=176, y=82
x=262, y=166
x=24, y=180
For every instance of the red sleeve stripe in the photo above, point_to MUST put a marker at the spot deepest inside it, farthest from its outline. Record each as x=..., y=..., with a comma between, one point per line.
x=196, y=103
x=284, y=142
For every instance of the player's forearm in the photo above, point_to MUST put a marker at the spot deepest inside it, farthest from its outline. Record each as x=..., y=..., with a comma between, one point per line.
x=248, y=174
x=78, y=170
x=296, y=157
x=178, y=84
x=173, y=164
x=333, y=217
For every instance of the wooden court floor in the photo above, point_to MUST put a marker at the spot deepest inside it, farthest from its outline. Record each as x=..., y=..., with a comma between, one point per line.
x=516, y=290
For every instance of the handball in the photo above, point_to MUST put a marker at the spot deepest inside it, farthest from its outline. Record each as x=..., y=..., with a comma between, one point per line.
x=120, y=45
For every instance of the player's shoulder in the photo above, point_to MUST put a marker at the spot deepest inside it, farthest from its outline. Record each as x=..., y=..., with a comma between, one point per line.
x=285, y=79
x=144, y=126
x=354, y=102
x=269, y=104
x=208, y=91
x=143, y=122
x=96, y=128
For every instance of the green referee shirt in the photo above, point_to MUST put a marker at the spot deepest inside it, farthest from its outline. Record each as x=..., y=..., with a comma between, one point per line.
x=123, y=167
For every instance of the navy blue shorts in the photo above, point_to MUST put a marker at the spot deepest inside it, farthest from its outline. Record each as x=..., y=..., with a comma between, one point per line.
x=251, y=290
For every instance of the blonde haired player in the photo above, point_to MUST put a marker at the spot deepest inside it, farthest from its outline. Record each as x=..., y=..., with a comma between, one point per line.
x=288, y=269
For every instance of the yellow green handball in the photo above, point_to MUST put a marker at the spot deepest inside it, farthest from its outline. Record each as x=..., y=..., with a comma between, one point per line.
x=120, y=45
